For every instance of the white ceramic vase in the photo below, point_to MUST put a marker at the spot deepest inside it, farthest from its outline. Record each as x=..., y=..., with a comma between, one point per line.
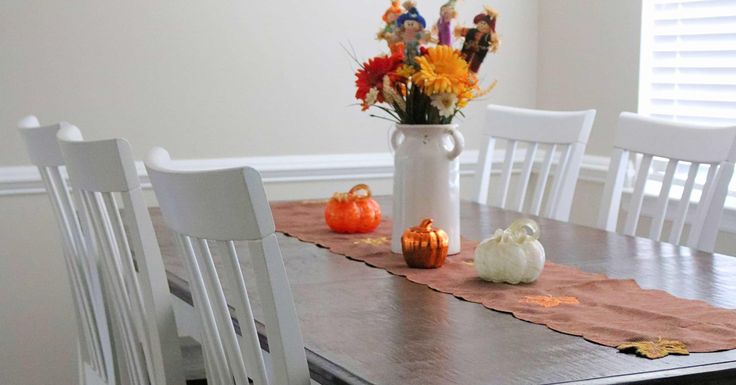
x=427, y=180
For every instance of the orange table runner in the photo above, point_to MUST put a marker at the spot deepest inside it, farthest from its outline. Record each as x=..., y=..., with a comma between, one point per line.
x=610, y=312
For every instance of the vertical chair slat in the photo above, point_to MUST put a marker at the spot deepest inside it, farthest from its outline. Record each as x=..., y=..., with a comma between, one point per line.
x=135, y=362
x=709, y=228
x=531, y=152
x=558, y=181
x=611, y=200
x=284, y=338
x=222, y=314
x=90, y=279
x=123, y=350
x=81, y=300
x=84, y=273
x=119, y=252
x=483, y=171
x=542, y=180
x=85, y=237
x=208, y=366
x=702, y=209
x=680, y=218
x=508, y=167
x=637, y=198
x=164, y=350
x=251, y=349
x=563, y=206
x=655, y=229
x=116, y=285
x=212, y=341
x=122, y=253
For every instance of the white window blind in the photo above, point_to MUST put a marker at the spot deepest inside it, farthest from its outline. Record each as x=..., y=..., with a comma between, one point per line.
x=688, y=70
x=688, y=61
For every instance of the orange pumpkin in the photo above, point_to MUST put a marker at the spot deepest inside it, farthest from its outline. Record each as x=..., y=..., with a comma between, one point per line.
x=353, y=212
x=424, y=247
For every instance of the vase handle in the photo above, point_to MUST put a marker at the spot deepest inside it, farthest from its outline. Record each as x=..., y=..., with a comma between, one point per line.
x=396, y=139
x=459, y=141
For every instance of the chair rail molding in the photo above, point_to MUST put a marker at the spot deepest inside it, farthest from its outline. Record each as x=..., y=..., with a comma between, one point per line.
x=22, y=180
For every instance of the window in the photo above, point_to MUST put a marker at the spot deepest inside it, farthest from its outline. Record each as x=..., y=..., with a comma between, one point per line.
x=688, y=69
x=688, y=61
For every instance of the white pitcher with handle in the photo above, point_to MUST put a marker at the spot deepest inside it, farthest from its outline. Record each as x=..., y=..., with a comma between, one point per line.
x=427, y=180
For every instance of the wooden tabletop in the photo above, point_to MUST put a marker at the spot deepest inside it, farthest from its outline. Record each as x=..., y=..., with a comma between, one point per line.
x=362, y=325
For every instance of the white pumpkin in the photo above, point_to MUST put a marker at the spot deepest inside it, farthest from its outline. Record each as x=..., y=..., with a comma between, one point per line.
x=513, y=255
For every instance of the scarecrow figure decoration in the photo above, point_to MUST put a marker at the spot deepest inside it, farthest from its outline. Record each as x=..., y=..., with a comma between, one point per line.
x=481, y=39
x=412, y=31
x=388, y=32
x=443, y=28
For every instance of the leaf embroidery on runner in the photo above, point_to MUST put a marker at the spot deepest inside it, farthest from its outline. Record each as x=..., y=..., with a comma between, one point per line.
x=654, y=349
x=549, y=301
x=380, y=241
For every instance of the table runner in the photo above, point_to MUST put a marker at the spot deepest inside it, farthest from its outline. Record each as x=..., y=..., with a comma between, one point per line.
x=610, y=312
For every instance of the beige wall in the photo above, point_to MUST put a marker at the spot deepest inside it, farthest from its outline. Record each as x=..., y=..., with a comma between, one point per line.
x=238, y=78
x=589, y=58
x=37, y=332
x=207, y=79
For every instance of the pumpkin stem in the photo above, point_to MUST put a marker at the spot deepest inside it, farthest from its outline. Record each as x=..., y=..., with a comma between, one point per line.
x=524, y=227
x=340, y=197
x=360, y=187
x=426, y=224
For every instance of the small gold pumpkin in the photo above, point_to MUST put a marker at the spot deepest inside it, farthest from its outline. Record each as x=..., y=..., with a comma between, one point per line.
x=424, y=247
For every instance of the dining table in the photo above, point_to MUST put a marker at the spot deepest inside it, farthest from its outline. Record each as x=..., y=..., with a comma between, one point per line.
x=363, y=325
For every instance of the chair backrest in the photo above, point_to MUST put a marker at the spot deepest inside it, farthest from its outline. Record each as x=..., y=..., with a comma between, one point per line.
x=560, y=136
x=219, y=207
x=687, y=148
x=103, y=174
x=94, y=339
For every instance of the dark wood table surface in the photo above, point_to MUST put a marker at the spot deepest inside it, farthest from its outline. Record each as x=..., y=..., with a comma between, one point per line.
x=362, y=325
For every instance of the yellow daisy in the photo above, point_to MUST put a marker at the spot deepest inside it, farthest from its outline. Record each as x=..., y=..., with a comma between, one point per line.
x=442, y=70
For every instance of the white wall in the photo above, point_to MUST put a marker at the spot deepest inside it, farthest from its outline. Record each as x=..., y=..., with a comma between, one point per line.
x=207, y=80
x=589, y=58
x=238, y=78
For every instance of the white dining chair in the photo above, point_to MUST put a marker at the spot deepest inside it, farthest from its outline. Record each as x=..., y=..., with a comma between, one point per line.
x=95, y=357
x=687, y=149
x=556, y=136
x=103, y=175
x=220, y=207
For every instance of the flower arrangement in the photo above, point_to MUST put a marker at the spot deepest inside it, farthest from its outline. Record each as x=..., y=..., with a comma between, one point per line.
x=424, y=80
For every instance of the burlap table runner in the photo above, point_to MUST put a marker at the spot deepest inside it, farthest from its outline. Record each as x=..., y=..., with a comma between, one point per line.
x=606, y=311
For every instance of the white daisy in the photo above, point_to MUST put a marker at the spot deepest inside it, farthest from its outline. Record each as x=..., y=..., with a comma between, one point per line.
x=445, y=103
